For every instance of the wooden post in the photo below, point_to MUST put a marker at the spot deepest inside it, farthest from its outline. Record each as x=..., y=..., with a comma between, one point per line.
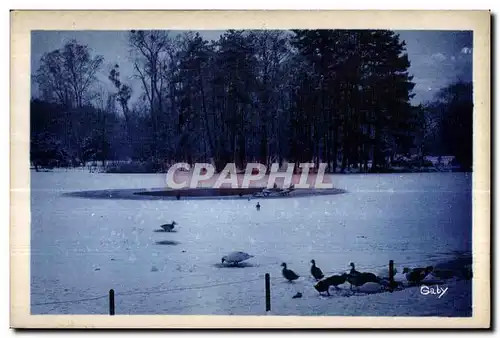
x=111, y=302
x=268, y=292
x=391, y=275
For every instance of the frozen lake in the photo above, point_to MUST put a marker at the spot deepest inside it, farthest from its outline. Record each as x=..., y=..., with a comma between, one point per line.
x=83, y=247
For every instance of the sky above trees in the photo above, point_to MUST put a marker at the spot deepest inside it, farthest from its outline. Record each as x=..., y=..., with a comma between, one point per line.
x=437, y=58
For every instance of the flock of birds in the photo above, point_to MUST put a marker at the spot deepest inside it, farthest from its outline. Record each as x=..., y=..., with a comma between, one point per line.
x=354, y=277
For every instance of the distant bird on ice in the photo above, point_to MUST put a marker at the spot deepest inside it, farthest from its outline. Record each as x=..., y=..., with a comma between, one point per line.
x=315, y=271
x=236, y=257
x=168, y=226
x=258, y=206
x=288, y=274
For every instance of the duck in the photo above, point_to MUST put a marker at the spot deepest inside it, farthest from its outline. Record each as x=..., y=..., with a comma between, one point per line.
x=324, y=285
x=443, y=273
x=416, y=275
x=316, y=272
x=336, y=280
x=362, y=278
x=357, y=278
x=168, y=226
x=353, y=271
x=288, y=274
x=236, y=257
x=257, y=206
x=297, y=295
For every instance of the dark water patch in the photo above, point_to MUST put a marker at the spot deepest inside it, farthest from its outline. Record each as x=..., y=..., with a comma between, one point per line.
x=199, y=193
x=167, y=243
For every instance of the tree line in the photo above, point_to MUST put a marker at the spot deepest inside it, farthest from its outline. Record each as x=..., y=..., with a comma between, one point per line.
x=342, y=97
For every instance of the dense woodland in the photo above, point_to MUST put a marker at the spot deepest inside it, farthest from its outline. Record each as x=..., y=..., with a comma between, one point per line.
x=335, y=96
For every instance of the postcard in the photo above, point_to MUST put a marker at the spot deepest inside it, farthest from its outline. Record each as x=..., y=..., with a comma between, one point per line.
x=250, y=169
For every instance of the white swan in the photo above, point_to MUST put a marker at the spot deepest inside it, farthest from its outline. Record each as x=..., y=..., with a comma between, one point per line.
x=236, y=257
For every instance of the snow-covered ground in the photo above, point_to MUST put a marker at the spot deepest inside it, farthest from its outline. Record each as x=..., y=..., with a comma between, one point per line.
x=83, y=247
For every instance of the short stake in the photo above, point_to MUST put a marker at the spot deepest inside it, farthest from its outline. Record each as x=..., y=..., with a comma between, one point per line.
x=391, y=275
x=111, y=302
x=268, y=292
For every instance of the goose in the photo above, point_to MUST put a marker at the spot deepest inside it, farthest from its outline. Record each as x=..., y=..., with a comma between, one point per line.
x=236, y=257
x=289, y=274
x=357, y=278
x=443, y=273
x=336, y=280
x=324, y=285
x=258, y=206
x=416, y=275
x=362, y=278
x=168, y=226
x=315, y=271
x=353, y=271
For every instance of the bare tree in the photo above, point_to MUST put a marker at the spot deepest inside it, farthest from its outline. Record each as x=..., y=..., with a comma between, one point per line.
x=150, y=49
x=67, y=76
x=123, y=95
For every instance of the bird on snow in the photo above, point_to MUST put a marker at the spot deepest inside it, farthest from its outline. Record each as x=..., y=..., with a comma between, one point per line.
x=168, y=226
x=353, y=270
x=336, y=280
x=236, y=257
x=258, y=206
x=322, y=286
x=416, y=275
x=357, y=278
x=288, y=274
x=362, y=278
x=443, y=273
x=315, y=271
